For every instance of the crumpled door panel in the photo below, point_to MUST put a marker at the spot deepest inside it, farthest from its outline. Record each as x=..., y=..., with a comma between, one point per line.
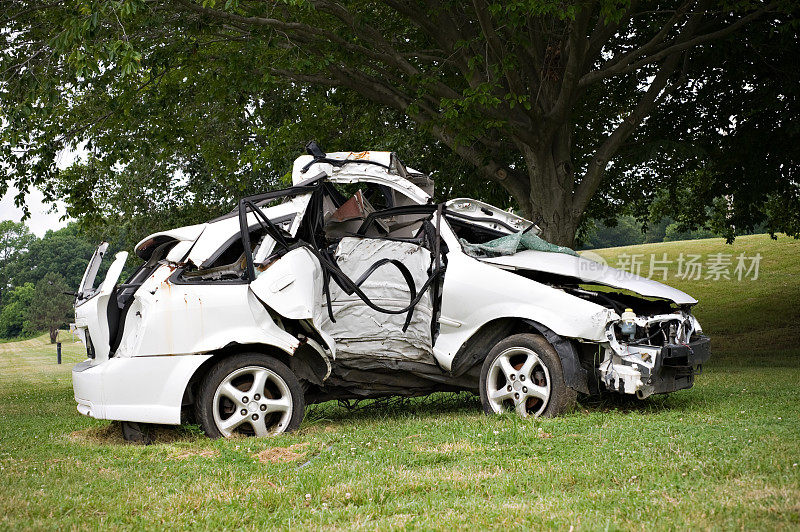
x=291, y=286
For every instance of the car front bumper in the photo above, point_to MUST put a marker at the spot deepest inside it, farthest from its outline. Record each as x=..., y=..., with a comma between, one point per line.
x=645, y=369
x=686, y=355
x=677, y=365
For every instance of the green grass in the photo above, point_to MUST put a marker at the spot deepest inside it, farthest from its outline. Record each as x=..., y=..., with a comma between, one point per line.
x=722, y=455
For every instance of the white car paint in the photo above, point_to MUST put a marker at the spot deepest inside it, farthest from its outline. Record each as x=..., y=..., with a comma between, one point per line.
x=218, y=233
x=86, y=287
x=186, y=234
x=490, y=213
x=359, y=173
x=91, y=311
x=590, y=271
x=145, y=389
x=499, y=294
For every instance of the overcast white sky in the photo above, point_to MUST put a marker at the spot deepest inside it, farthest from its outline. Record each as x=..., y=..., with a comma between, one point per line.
x=41, y=219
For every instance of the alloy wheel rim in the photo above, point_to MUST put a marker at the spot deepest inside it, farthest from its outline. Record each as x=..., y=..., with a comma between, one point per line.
x=518, y=380
x=252, y=401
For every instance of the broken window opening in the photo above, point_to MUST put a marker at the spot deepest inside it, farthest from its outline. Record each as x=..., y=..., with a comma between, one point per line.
x=313, y=229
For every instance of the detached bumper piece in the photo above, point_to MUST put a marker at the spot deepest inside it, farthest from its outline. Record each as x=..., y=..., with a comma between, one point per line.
x=677, y=365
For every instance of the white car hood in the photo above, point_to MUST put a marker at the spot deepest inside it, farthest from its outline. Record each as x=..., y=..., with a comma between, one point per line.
x=590, y=271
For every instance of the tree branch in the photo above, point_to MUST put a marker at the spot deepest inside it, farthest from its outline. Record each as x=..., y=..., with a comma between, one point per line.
x=624, y=65
x=576, y=57
x=594, y=172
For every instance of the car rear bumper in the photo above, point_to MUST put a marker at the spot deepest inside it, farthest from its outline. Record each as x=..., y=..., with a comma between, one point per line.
x=142, y=389
x=87, y=386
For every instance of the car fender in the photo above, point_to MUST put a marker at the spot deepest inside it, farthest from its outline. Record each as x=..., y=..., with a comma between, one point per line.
x=575, y=376
x=468, y=305
x=477, y=347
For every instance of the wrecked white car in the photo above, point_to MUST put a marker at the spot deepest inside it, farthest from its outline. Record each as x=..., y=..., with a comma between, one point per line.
x=354, y=284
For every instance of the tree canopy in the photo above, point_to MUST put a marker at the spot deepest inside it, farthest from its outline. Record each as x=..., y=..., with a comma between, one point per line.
x=569, y=111
x=15, y=240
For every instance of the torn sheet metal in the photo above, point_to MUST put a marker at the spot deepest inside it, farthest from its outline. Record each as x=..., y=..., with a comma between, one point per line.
x=181, y=234
x=86, y=288
x=369, y=337
x=485, y=215
x=363, y=173
x=222, y=231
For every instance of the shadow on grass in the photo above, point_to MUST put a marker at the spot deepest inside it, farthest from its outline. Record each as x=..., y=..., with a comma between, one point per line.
x=435, y=405
x=629, y=404
x=468, y=403
x=111, y=434
x=373, y=409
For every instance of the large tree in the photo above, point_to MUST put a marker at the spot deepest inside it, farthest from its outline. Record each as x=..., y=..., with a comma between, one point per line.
x=50, y=307
x=540, y=97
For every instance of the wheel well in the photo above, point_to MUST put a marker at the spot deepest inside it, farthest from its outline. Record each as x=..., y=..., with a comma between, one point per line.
x=477, y=347
x=190, y=392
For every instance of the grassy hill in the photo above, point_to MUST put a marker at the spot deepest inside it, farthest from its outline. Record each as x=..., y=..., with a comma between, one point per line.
x=724, y=454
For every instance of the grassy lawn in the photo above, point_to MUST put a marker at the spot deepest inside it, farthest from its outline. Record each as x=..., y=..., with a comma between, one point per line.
x=725, y=454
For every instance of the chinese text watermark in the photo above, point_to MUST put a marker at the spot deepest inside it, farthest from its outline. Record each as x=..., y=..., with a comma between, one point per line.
x=685, y=266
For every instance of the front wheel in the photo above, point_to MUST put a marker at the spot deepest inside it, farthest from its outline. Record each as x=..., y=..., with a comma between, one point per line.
x=523, y=373
x=250, y=395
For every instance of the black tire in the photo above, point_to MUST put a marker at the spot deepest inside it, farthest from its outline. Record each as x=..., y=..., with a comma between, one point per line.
x=561, y=399
x=274, y=422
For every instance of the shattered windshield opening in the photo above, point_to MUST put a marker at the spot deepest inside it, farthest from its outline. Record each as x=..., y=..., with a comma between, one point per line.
x=511, y=244
x=479, y=241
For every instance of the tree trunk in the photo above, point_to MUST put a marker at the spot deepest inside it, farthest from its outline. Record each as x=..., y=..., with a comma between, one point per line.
x=552, y=185
x=53, y=334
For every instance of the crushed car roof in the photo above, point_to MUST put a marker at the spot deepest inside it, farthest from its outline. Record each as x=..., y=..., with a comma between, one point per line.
x=382, y=168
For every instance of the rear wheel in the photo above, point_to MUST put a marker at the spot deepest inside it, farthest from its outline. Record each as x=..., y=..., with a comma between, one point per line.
x=523, y=373
x=250, y=395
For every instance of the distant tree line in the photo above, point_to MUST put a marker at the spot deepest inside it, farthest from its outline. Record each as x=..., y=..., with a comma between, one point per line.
x=35, y=273
x=627, y=230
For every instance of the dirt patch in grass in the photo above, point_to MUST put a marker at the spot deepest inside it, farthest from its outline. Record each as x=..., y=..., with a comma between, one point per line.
x=281, y=454
x=463, y=446
x=111, y=434
x=755, y=492
x=199, y=453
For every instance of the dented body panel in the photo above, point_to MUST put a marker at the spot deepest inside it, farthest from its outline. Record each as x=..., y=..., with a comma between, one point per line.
x=468, y=305
x=185, y=319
